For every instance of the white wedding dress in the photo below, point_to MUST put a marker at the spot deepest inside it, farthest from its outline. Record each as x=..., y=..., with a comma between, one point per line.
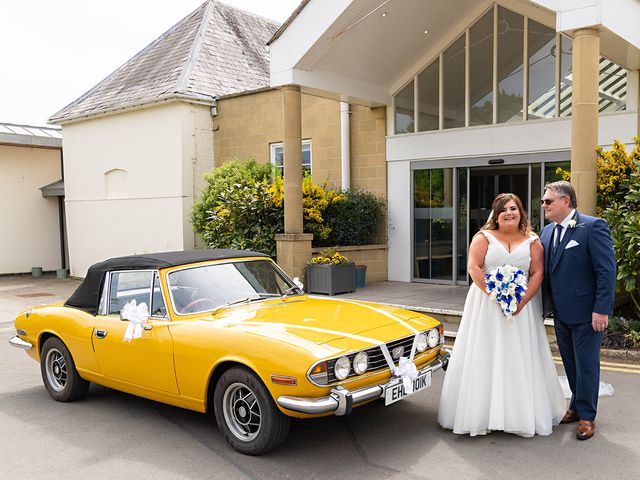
x=501, y=375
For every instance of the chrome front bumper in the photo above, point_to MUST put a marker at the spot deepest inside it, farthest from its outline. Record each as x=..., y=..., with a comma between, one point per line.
x=19, y=343
x=341, y=401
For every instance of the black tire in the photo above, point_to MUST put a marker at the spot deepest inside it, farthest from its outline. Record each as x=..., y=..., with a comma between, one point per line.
x=59, y=374
x=246, y=414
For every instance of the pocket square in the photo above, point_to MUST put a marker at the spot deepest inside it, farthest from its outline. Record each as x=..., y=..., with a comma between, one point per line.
x=571, y=244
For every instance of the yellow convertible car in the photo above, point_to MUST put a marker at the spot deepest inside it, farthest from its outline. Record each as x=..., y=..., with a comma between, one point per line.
x=228, y=331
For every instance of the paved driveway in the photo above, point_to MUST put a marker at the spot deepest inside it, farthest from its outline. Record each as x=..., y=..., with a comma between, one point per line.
x=111, y=435
x=21, y=292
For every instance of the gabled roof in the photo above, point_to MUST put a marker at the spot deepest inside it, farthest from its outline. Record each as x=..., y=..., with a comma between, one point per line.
x=216, y=50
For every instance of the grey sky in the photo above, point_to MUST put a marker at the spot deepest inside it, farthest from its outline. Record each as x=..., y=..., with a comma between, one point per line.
x=53, y=51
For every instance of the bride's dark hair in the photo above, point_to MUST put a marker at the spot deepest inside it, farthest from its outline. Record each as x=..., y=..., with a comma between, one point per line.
x=498, y=204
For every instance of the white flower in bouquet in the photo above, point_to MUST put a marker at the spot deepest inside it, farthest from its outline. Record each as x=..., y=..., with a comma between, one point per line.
x=506, y=285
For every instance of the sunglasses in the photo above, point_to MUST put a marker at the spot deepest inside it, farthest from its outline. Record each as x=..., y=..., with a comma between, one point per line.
x=549, y=201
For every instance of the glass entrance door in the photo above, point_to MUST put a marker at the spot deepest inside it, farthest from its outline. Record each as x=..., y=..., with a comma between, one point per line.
x=451, y=204
x=487, y=183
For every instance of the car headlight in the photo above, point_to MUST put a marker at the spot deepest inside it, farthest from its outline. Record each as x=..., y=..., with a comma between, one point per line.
x=342, y=368
x=360, y=363
x=433, y=337
x=421, y=343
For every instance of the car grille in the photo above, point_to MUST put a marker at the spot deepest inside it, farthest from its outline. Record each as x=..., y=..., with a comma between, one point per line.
x=376, y=357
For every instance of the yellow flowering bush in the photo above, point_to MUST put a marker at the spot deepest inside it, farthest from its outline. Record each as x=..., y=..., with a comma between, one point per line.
x=329, y=256
x=315, y=200
x=615, y=167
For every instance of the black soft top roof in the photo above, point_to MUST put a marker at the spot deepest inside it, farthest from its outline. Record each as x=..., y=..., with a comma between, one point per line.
x=87, y=295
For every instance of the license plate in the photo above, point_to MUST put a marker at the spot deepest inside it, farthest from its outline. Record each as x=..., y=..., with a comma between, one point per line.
x=395, y=392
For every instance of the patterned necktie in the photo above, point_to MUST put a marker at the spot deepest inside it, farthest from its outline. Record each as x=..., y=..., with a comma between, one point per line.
x=556, y=240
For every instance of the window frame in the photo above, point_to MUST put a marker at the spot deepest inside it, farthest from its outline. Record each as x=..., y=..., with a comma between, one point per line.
x=279, y=271
x=103, y=309
x=525, y=67
x=303, y=143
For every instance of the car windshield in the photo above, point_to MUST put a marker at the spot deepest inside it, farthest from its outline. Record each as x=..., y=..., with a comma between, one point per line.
x=200, y=289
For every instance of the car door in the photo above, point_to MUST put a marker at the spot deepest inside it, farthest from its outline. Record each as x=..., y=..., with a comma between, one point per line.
x=146, y=361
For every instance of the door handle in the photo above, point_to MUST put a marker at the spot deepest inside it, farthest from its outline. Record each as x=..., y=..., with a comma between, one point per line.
x=101, y=333
x=148, y=327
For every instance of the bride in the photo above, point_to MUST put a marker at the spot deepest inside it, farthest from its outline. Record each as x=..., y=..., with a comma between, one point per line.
x=501, y=375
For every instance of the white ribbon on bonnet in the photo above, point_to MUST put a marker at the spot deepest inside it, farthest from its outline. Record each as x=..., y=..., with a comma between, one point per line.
x=137, y=316
x=406, y=369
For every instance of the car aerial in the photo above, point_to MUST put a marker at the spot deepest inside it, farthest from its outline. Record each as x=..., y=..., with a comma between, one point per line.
x=228, y=331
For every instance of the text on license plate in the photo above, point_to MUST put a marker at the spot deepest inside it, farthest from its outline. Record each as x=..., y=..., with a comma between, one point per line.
x=396, y=392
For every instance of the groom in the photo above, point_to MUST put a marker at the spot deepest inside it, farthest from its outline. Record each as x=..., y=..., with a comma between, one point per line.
x=579, y=287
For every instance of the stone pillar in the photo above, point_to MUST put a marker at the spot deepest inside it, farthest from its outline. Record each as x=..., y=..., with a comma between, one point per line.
x=293, y=251
x=292, y=111
x=293, y=247
x=584, y=117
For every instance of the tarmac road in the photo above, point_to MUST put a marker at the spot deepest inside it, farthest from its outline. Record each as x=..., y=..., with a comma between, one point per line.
x=112, y=435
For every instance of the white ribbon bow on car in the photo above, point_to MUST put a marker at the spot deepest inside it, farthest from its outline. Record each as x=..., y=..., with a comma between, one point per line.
x=406, y=369
x=137, y=316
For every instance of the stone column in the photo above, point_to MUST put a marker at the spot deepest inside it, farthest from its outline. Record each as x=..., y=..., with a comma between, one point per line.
x=584, y=117
x=293, y=247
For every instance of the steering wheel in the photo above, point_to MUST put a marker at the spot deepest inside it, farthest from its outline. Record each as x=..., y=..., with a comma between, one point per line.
x=196, y=302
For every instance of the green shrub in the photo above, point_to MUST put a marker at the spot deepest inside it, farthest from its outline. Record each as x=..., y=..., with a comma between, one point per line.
x=354, y=221
x=242, y=206
x=245, y=218
x=624, y=220
x=316, y=199
x=220, y=180
x=622, y=333
x=615, y=168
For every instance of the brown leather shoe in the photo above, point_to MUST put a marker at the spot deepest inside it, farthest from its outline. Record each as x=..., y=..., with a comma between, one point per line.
x=570, y=417
x=585, y=430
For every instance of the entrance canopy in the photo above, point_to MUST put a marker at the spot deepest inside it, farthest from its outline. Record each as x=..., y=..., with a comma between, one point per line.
x=363, y=51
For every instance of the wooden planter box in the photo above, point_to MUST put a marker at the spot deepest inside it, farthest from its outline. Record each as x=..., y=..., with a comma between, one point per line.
x=331, y=279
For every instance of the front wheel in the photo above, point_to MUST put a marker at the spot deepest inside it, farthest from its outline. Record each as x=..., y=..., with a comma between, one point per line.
x=59, y=374
x=246, y=413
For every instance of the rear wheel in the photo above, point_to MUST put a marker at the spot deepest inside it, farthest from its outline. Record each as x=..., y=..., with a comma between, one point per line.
x=59, y=374
x=246, y=414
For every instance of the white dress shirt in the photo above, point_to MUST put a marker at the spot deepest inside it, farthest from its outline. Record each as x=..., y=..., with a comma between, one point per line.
x=565, y=225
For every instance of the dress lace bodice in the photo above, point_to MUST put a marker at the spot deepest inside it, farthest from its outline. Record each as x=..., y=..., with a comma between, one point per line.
x=497, y=254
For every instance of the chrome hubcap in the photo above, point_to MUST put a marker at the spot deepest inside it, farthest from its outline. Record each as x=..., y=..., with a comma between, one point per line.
x=242, y=412
x=56, y=369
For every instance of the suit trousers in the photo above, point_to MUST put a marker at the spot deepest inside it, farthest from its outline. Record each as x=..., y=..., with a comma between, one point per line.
x=579, y=347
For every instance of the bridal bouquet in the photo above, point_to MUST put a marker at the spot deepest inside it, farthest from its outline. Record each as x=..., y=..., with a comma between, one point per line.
x=506, y=285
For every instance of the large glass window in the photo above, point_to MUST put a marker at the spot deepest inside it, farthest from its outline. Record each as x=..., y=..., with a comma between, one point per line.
x=613, y=87
x=404, y=110
x=546, y=91
x=542, y=68
x=428, y=97
x=510, y=68
x=433, y=223
x=453, y=84
x=481, y=71
x=566, y=78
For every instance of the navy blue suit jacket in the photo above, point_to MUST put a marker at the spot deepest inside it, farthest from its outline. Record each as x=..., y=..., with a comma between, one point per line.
x=581, y=279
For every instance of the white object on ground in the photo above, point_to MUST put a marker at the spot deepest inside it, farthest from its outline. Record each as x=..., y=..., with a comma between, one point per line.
x=606, y=389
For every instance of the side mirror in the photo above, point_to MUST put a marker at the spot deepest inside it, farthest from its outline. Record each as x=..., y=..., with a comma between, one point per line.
x=298, y=283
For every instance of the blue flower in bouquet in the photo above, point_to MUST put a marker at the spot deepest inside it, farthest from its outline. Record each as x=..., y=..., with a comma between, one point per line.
x=506, y=285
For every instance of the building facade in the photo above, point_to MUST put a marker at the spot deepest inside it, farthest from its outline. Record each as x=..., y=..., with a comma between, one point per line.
x=31, y=206
x=482, y=98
